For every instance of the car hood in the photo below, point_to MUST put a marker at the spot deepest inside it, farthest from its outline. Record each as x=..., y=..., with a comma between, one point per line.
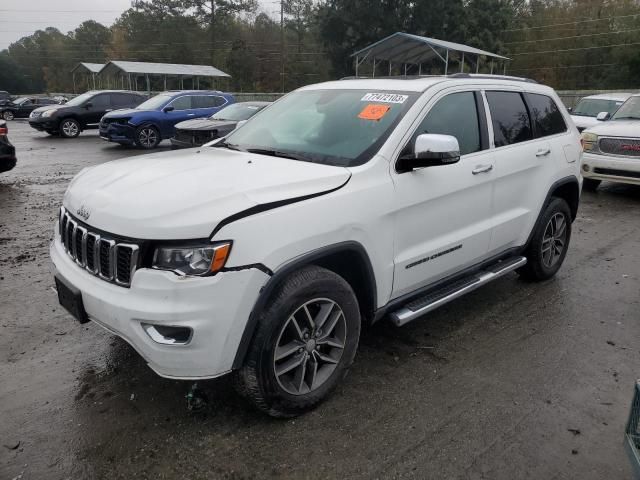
x=185, y=195
x=125, y=112
x=582, y=121
x=617, y=128
x=49, y=107
x=205, y=124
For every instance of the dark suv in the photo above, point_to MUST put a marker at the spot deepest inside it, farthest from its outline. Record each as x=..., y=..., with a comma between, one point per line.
x=23, y=106
x=83, y=112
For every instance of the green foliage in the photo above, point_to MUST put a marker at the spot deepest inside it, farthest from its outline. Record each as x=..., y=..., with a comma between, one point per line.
x=565, y=43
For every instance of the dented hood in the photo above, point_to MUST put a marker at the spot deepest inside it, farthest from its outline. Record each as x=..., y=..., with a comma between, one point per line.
x=186, y=194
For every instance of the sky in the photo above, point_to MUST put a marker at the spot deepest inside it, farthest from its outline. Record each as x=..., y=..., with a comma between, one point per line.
x=20, y=18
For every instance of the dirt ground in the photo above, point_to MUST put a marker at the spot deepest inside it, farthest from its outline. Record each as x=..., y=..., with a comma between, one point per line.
x=514, y=381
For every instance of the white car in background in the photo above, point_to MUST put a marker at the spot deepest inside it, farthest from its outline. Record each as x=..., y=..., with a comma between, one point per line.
x=612, y=148
x=585, y=114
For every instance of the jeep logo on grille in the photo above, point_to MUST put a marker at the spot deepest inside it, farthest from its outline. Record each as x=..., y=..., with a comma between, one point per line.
x=83, y=212
x=628, y=147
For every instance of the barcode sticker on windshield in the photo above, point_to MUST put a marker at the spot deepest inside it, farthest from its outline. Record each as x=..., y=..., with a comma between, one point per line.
x=384, y=98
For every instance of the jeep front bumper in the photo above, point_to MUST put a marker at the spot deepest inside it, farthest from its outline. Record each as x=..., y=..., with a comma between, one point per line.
x=216, y=309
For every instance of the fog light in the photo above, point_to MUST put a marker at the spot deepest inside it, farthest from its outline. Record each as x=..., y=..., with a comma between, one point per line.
x=585, y=167
x=168, y=335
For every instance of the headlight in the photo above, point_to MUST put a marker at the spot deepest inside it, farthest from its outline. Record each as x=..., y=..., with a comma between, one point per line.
x=590, y=142
x=192, y=260
x=48, y=113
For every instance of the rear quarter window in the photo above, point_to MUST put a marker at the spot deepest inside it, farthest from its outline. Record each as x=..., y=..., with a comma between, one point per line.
x=510, y=118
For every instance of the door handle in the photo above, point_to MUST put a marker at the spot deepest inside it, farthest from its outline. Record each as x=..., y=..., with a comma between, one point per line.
x=543, y=152
x=482, y=169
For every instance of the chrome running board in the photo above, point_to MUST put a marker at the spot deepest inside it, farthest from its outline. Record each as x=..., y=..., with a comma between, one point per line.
x=447, y=293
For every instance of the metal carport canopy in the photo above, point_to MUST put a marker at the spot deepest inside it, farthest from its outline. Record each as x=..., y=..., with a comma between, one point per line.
x=89, y=67
x=412, y=49
x=148, y=68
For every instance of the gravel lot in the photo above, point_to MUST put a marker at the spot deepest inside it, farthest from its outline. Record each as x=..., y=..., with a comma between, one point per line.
x=513, y=381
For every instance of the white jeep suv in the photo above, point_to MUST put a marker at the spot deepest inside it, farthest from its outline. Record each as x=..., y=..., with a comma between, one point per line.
x=612, y=149
x=341, y=204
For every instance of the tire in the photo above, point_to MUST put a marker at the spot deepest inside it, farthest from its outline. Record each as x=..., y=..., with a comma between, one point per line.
x=69, y=128
x=147, y=137
x=590, y=184
x=8, y=115
x=264, y=379
x=550, y=242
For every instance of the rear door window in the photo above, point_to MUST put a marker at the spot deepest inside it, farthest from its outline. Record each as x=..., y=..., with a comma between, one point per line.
x=545, y=115
x=207, y=101
x=510, y=118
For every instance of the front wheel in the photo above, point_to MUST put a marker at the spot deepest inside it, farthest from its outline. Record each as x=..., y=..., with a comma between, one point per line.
x=8, y=115
x=69, y=128
x=304, y=344
x=549, y=243
x=147, y=137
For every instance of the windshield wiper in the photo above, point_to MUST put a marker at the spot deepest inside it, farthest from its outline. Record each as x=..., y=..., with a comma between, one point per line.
x=230, y=146
x=631, y=117
x=277, y=153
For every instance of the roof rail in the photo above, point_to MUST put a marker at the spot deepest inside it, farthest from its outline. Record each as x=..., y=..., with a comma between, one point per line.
x=492, y=77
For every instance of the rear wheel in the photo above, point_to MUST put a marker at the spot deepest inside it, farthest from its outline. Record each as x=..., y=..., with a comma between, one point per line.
x=8, y=115
x=69, y=128
x=549, y=243
x=590, y=184
x=304, y=344
x=147, y=137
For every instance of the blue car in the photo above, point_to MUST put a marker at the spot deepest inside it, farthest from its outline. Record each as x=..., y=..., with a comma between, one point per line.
x=154, y=120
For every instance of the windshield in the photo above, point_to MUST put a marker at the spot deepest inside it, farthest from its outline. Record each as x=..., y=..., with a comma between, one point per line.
x=154, y=103
x=336, y=127
x=237, y=112
x=80, y=99
x=591, y=107
x=629, y=110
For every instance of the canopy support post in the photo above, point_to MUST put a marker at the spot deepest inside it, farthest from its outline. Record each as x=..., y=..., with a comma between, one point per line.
x=390, y=67
x=405, y=69
x=420, y=70
x=73, y=76
x=165, y=83
x=478, y=64
x=374, y=68
x=492, y=66
x=504, y=69
x=446, y=65
x=357, y=64
x=462, y=64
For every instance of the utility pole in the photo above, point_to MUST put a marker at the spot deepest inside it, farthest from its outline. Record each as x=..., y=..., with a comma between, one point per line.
x=282, y=43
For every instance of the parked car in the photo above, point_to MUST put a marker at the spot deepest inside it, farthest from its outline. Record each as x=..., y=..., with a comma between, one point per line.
x=612, y=148
x=5, y=97
x=585, y=114
x=7, y=150
x=341, y=204
x=632, y=433
x=23, y=106
x=154, y=120
x=197, y=132
x=82, y=112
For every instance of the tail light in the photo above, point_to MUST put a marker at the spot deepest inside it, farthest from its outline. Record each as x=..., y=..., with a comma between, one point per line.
x=3, y=130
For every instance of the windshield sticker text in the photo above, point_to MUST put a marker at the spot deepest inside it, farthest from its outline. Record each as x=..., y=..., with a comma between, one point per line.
x=384, y=98
x=374, y=112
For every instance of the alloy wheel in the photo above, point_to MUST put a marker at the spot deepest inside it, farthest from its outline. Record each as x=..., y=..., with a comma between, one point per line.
x=8, y=115
x=70, y=129
x=148, y=137
x=310, y=346
x=554, y=240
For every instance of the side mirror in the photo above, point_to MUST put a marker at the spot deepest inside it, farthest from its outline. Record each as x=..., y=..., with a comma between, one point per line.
x=239, y=124
x=603, y=116
x=88, y=105
x=430, y=150
x=570, y=109
x=168, y=109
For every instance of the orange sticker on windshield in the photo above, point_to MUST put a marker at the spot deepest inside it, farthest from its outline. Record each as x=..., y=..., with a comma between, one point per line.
x=374, y=112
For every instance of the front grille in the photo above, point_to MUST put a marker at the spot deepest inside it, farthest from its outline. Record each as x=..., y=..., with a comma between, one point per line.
x=628, y=147
x=100, y=254
x=183, y=135
x=616, y=173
